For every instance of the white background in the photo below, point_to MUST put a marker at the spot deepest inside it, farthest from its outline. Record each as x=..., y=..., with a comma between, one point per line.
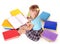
x=51, y=6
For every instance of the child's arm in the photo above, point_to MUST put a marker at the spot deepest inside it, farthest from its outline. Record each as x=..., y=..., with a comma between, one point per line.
x=27, y=26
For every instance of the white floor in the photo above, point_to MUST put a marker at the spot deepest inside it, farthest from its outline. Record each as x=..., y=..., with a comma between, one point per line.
x=51, y=6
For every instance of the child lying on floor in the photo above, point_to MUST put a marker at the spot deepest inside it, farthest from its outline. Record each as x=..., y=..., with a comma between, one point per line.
x=29, y=27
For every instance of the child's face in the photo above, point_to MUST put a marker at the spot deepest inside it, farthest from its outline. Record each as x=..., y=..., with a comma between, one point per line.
x=33, y=13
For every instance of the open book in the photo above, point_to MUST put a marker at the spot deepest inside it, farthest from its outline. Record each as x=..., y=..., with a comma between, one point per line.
x=17, y=21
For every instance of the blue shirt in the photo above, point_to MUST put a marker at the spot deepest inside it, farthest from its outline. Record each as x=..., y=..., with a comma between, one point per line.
x=37, y=23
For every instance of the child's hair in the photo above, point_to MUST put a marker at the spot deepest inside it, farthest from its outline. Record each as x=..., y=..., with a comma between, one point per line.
x=33, y=7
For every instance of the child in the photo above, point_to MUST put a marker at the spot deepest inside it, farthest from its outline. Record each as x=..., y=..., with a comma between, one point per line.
x=33, y=34
x=28, y=27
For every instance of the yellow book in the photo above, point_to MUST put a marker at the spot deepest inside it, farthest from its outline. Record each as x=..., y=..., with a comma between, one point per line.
x=7, y=24
x=15, y=12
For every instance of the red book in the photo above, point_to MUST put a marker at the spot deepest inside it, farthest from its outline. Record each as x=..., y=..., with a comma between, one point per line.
x=10, y=34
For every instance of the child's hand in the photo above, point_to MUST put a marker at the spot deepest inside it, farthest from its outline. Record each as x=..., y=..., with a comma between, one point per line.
x=29, y=19
x=22, y=30
x=29, y=26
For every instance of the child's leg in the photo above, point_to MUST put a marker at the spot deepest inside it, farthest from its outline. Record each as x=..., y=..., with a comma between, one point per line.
x=34, y=34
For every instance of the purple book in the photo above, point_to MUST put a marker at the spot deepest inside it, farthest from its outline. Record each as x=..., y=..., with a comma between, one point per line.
x=49, y=35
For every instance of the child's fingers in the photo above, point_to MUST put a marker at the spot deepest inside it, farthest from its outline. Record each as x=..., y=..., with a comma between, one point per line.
x=30, y=27
x=21, y=31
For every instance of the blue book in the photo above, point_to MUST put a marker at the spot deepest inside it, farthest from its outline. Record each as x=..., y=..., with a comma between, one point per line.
x=44, y=16
x=50, y=25
x=37, y=23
